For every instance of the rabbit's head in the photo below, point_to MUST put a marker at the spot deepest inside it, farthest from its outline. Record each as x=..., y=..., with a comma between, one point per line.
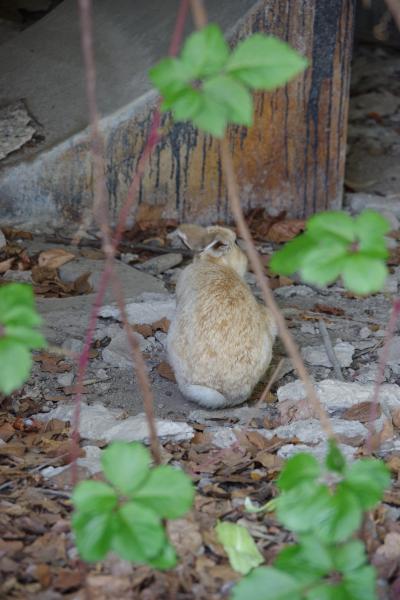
x=216, y=244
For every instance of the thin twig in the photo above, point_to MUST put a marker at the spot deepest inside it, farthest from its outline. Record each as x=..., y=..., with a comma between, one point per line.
x=381, y=373
x=200, y=19
x=265, y=393
x=140, y=370
x=153, y=137
x=330, y=350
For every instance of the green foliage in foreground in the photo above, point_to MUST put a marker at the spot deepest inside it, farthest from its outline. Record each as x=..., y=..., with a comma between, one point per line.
x=18, y=334
x=335, y=245
x=126, y=515
x=323, y=507
x=211, y=85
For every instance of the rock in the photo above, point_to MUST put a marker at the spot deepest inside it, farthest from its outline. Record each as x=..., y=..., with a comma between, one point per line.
x=381, y=204
x=91, y=461
x=100, y=423
x=222, y=437
x=18, y=276
x=128, y=257
x=309, y=431
x=316, y=355
x=143, y=312
x=161, y=337
x=65, y=379
x=160, y=264
x=393, y=358
x=102, y=374
x=250, y=279
x=118, y=352
x=3, y=240
x=73, y=345
x=336, y=396
x=319, y=451
x=383, y=102
x=174, y=275
x=308, y=328
x=287, y=291
x=364, y=333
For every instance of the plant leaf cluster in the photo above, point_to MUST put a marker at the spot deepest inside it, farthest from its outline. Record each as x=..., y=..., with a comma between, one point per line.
x=125, y=515
x=211, y=85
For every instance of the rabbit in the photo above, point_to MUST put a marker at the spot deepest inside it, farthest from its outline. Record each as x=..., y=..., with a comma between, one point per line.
x=220, y=340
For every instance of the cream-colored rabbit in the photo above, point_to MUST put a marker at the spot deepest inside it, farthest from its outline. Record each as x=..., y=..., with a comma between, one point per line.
x=220, y=340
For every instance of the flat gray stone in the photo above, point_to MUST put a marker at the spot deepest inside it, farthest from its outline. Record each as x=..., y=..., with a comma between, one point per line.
x=360, y=201
x=160, y=264
x=100, y=423
x=118, y=352
x=337, y=396
x=288, y=291
x=148, y=311
x=310, y=431
x=3, y=240
x=319, y=451
x=316, y=355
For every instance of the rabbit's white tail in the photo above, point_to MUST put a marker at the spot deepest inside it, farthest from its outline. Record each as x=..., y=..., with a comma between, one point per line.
x=204, y=396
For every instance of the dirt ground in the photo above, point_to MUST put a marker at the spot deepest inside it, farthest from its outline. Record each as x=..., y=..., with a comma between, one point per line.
x=37, y=557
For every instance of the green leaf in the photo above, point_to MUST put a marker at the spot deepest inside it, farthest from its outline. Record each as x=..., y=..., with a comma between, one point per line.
x=17, y=305
x=93, y=534
x=324, y=263
x=170, y=76
x=304, y=508
x=165, y=560
x=167, y=491
x=289, y=259
x=139, y=535
x=25, y=335
x=267, y=582
x=334, y=225
x=187, y=104
x=344, y=517
x=230, y=93
x=349, y=556
x=211, y=117
x=367, y=479
x=126, y=465
x=240, y=547
x=94, y=497
x=335, y=460
x=15, y=365
x=299, y=469
x=308, y=561
x=370, y=228
x=360, y=584
x=325, y=591
x=264, y=62
x=205, y=52
x=363, y=275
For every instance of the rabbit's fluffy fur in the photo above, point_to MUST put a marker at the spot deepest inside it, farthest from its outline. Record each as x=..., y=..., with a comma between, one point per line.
x=220, y=340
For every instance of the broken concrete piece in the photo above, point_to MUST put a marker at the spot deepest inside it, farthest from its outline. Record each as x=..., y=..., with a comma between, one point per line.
x=336, y=396
x=160, y=264
x=319, y=451
x=316, y=355
x=287, y=291
x=147, y=312
x=381, y=204
x=100, y=423
x=16, y=128
x=118, y=353
x=309, y=431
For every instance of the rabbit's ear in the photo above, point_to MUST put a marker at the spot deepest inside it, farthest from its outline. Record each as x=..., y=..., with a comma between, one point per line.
x=193, y=236
x=218, y=247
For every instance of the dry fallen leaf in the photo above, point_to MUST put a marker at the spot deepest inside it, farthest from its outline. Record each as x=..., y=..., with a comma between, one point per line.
x=5, y=265
x=285, y=230
x=54, y=258
x=144, y=329
x=329, y=310
x=361, y=412
x=165, y=370
x=162, y=325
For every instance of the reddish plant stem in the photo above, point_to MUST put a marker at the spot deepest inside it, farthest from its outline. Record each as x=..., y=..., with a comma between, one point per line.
x=99, y=193
x=394, y=316
x=200, y=19
x=140, y=370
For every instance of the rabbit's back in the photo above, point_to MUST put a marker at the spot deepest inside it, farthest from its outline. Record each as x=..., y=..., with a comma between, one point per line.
x=221, y=336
